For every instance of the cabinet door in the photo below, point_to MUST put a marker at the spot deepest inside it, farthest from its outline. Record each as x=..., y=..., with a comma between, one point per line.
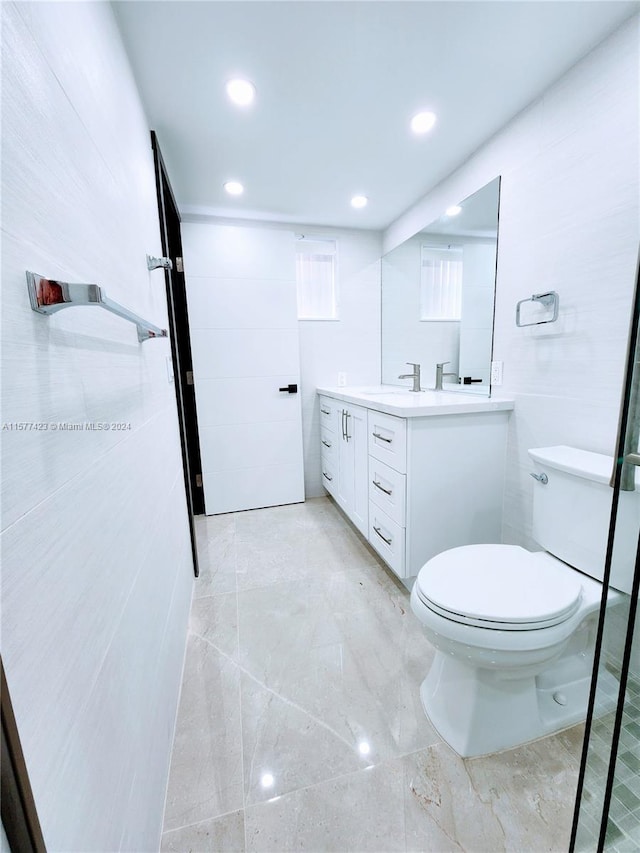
x=353, y=488
x=357, y=431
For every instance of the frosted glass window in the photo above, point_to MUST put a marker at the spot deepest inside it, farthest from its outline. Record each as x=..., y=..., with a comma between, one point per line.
x=441, y=283
x=316, y=279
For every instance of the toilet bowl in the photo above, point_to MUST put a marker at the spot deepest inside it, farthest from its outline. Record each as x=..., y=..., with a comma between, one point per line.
x=514, y=630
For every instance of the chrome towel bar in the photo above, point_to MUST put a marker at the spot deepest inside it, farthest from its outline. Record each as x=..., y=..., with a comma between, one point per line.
x=48, y=296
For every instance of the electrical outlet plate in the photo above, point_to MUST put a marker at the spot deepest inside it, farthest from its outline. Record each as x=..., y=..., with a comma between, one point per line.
x=342, y=380
x=496, y=373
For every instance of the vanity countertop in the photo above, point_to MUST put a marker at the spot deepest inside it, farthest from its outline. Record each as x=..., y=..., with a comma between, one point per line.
x=394, y=400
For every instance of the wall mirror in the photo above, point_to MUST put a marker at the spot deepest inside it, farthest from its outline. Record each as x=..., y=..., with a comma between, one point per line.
x=438, y=290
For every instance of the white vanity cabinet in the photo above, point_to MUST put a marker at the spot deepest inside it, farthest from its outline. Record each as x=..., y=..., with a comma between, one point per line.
x=418, y=484
x=344, y=458
x=353, y=459
x=329, y=444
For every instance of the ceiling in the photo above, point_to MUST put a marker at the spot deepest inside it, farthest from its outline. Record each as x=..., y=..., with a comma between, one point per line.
x=337, y=84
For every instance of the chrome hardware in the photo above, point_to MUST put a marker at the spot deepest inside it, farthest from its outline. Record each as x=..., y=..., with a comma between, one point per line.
x=415, y=376
x=382, y=488
x=326, y=476
x=344, y=435
x=541, y=478
x=179, y=265
x=325, y=411
x=347, y=415
x=326, y=443
x=382, y=438
x=440, y=375
x=48, y=296
x=384, y=538
x=550, y=300
x=159, y=263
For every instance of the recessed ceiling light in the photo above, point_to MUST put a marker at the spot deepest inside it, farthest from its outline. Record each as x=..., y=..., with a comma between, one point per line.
x=267, y=780
x=423, y=122
x=359, y=201
x=241, y=92
x=454, y=210
x=234, y=188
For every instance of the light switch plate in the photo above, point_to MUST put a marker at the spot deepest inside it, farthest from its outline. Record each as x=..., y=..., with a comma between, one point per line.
x=496, y=372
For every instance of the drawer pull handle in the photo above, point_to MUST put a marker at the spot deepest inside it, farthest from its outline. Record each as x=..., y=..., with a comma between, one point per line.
x=326, y=443
x=325, y=411
x=384, y=538
x=326, y=476
x=382, y=438
x=382, y=488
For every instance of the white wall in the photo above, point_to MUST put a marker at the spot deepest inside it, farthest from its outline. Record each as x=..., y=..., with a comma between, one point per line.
x=97, y=572
x=568, y=222
x=350, y=344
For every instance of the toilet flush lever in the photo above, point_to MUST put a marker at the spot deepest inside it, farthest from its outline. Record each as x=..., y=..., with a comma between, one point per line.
x=541, y=478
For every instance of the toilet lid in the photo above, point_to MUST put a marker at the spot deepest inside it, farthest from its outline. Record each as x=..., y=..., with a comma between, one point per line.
x=500, y=586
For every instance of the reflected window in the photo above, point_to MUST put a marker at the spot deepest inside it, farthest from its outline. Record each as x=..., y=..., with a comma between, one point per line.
x=441, y=282
x=316, y=262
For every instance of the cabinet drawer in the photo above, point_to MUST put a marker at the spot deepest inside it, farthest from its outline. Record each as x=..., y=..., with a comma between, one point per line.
x=387, y=489
x=388, y=440
x=329, y=416
x=387, y=538
x=329, y=445
x=329, y=473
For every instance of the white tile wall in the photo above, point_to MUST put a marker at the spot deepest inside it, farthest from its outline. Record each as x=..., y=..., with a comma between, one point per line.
x=97, y=573
x=569, y=217
x=350, y=345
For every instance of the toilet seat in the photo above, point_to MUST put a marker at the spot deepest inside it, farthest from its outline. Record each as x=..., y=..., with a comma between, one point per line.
x=499, y=587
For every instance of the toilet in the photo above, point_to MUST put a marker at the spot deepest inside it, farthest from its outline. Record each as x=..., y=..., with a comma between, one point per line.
x=515, y=630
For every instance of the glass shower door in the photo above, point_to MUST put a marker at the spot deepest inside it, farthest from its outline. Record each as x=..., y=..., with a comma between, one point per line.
x=607, y=815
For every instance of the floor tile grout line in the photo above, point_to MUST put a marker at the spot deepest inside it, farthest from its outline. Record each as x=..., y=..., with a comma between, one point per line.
x=399, y=756
x=275, y=693
x=198, y=822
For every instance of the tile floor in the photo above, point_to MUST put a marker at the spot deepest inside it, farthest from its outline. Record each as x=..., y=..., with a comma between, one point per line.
x=623, y=824
x=300, y=725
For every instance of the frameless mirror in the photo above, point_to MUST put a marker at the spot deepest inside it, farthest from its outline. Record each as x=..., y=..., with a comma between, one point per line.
x=438, y=291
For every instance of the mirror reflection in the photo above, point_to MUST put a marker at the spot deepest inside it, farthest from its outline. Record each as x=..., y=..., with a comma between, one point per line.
x=438, y=292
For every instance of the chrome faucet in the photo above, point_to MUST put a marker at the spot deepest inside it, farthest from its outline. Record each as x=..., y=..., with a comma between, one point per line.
x=440, y=375
x=415, y=376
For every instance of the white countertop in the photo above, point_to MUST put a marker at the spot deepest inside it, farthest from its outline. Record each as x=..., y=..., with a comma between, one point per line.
x=395, y=400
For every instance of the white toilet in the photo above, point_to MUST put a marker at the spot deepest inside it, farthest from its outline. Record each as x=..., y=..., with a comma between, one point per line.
x=515, y=630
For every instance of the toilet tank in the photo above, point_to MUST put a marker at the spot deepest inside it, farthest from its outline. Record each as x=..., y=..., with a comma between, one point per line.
x=572, y=511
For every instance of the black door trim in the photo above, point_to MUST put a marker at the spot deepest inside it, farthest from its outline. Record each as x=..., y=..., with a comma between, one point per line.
x=19, y=814
x=180, y=344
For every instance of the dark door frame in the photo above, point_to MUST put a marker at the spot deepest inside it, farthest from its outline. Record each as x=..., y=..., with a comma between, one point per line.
x=19, y=815
x=180, y=343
